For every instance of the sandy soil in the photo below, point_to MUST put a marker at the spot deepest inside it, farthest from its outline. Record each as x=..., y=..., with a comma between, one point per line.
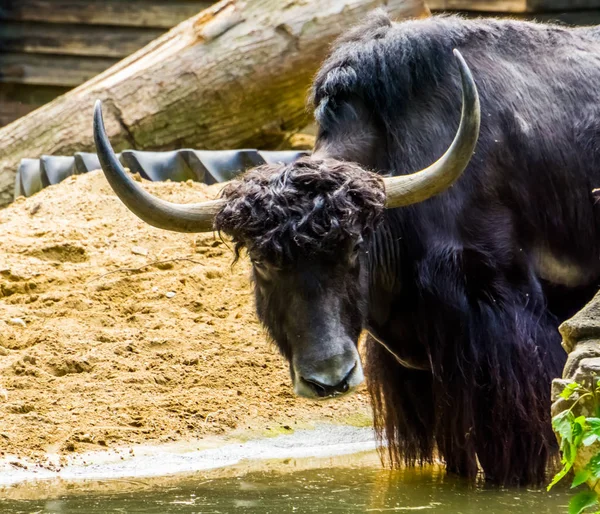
x=107, y=341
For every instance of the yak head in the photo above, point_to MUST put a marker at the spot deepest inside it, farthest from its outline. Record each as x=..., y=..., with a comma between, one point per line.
x=307, y=228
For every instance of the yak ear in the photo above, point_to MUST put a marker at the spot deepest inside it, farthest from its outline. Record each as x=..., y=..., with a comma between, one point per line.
x=349, y=132
x=479, y=272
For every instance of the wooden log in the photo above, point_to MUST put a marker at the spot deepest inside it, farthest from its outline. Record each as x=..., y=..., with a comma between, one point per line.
x=133, y=13
x=100, y=41
x=50, y=70
x=236, y=75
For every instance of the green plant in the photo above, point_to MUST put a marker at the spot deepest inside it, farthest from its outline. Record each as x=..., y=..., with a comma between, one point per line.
x=576, y=433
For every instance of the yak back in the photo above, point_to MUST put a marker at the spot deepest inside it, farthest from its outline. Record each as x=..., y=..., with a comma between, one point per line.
x=538, y=155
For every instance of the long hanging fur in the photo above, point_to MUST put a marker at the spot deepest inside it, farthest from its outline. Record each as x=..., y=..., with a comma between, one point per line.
x=458, y=284
x=493, y=355
x=463, y=263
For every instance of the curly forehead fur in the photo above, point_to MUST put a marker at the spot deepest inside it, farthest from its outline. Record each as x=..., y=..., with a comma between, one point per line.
x=281, y=212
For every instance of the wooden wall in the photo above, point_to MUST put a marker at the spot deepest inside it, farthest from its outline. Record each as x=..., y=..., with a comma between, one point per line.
x=50, y=46
x=514, y=6
x=569, y=12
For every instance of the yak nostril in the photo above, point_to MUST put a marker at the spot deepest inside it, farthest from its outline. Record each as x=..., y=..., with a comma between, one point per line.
x=324, y=390
x=321, y=390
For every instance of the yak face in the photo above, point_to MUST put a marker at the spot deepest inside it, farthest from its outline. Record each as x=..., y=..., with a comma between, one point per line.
x=314, y=311
x=306, y=227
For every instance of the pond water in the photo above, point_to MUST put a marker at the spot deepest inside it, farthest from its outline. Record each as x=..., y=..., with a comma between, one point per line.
x=291, y=487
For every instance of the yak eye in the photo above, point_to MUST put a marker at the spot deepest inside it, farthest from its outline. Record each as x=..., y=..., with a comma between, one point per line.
x=356, y=249
x=357, y=245
x=261, y=265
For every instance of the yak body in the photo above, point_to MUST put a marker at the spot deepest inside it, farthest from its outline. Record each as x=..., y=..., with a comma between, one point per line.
x=462, y=293
x=467, y=289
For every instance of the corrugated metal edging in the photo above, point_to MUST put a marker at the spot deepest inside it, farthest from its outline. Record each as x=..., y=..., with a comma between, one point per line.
x=208, y=166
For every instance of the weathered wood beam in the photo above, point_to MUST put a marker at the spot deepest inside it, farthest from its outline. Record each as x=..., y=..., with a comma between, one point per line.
x=17, y=100
x=134, y=13
x=50, y=70
x=236, y=75
x=512, y=6
x=572, y=18
x=478, y=5
x=541, y=6
x=84, y=40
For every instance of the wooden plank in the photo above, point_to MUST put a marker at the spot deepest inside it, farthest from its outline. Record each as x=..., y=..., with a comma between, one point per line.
x=11, y=111
x=561, y=5
x=571, y=18
x=52, y=70
x=512, y=6
x=575, y=19
x=17, y=100
x=65, y=39
x=505, y=6
x=138, y=13
x=31, y=94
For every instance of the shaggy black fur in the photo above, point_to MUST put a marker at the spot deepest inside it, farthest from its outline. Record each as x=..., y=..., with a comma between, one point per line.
x=470, y=282
x=283, y=213
x=467, y=289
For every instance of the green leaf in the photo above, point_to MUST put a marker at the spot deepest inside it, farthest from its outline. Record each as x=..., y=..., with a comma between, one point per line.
x=578, y=425
x=590, y=439
x=594, y=424
x=579, y=428
x=570, y=389
x=559, y=476
x=594, y=466
x=562, y=425
x=581, y=477
x=569, y=452
x=582, y=501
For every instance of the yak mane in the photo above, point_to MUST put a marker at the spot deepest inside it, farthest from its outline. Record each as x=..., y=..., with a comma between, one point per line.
x=281, y=212
x=397, y=68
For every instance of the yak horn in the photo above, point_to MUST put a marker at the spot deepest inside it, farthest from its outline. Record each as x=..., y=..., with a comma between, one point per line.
x=193, y=217
x=419, y=186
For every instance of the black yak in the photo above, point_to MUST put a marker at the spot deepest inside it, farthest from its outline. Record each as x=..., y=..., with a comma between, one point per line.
x=461, y=289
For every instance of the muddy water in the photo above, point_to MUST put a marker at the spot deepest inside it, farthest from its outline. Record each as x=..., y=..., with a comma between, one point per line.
x=291, y=487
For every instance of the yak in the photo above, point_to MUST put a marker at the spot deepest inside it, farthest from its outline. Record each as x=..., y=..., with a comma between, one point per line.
x=459, y=273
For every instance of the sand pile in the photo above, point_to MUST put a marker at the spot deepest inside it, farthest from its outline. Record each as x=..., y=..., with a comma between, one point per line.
x=100, y=349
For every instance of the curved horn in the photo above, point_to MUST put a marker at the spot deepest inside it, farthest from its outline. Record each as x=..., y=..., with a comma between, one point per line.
x=419, y=186
x=193, y=217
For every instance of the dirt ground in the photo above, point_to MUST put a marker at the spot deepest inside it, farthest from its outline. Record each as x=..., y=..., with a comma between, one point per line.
x=106, y=340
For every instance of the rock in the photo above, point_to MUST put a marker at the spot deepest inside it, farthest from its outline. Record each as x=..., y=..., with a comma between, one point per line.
x=17, y=321
x=138, y=250
x=170, y=294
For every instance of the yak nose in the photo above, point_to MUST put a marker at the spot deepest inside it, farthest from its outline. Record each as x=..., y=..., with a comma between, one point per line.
x=325, y=390
x=330, y=377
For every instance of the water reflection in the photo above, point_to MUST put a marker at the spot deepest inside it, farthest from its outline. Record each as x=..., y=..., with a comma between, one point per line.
x=348, y=489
